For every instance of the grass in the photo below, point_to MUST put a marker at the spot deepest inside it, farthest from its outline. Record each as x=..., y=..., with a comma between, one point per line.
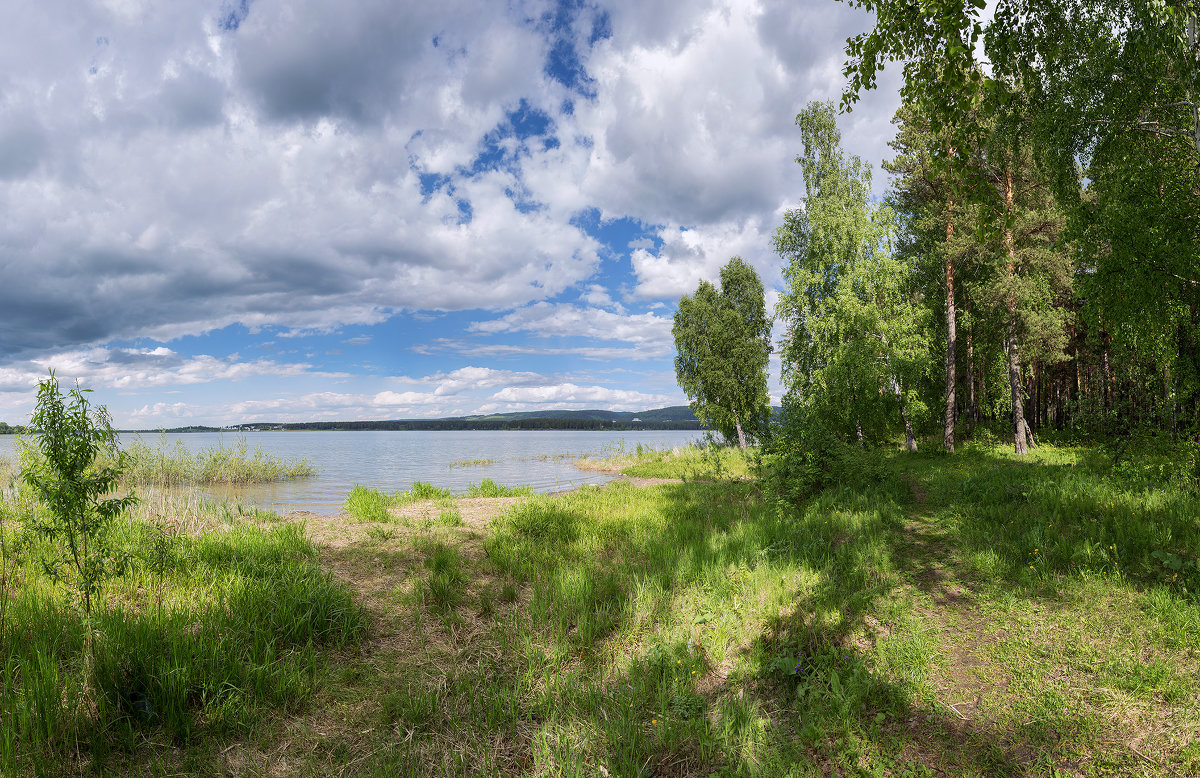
x=204, y=637
x=472, y=462
x=489, y=488
x=367, y=504
x=974, y=614
x=690, y=463
x=941, y=619
x=167, y=465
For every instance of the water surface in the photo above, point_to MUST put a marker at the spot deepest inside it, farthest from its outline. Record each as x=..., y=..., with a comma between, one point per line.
x=393, y=460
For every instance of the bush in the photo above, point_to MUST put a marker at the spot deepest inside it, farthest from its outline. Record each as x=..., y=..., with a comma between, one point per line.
x=804, y=456
x=66, y=476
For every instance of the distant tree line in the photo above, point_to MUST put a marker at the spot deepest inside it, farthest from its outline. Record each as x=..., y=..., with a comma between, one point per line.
x=492, y=424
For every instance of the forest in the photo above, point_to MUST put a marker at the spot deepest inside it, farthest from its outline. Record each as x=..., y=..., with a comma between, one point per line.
x=1033, y=269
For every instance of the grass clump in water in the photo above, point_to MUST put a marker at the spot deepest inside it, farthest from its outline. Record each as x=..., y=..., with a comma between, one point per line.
x=472, y=462
x=165, y=465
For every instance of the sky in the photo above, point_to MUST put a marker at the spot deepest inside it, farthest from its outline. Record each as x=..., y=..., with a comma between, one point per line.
x=234, y=211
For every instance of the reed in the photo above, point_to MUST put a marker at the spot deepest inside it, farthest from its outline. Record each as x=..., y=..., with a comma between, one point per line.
x=229, y=464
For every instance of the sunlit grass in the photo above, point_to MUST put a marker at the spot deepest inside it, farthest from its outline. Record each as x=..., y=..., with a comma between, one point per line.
x=489, y=488
x=890, y=627
x=975, y=614
x=199, y=638
x=367, y=504
x=696, y=463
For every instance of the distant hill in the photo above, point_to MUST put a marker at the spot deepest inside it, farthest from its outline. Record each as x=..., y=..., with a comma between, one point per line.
x=676, y=413
x=678, y=417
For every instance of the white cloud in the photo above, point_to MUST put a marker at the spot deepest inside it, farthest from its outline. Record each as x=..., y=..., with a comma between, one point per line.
x=163, y=174
x=143, y=368
x=472, y=378
x=568, y=393
x=648, y=331
x=691, y=255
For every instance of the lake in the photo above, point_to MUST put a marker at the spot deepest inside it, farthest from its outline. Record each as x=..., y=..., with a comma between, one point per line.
x=392, y=461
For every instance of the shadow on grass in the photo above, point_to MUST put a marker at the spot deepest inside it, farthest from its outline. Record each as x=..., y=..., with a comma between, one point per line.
x=797, y=690
x=697, y=629
x=1024, y=523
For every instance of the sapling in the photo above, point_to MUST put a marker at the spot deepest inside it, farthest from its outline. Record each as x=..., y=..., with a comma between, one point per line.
x=77, y=465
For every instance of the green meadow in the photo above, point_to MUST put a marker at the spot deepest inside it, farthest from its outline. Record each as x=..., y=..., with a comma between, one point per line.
x=973, y=614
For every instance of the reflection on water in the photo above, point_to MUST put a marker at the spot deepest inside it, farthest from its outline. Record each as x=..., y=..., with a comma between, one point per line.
x=392, y=461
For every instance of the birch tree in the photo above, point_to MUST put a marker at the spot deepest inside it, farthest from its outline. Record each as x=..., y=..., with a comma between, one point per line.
x=722, y=344
x=855, y=344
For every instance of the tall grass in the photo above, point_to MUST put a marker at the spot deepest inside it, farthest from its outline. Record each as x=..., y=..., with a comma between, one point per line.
x=693, y=462
x=233, y=464
x=199, y=639
x=368, y=504
x=489, y=488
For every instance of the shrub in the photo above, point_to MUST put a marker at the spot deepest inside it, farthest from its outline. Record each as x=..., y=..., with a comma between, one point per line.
x=805, y=456
x=65, y=476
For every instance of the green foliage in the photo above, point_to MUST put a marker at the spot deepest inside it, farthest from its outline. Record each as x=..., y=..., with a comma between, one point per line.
x=367, y=504
x=723, y=341
x=855, y=346
x=1092, y=102
x=65, y=476
x=806, y=457
x=165, y=465
x=420, y=490
x=240, y=622
x=698, y=461
x=489, y=488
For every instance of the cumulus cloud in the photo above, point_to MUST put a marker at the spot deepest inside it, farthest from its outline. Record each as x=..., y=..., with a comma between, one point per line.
x=120, y=368
x=471, y=378
x=298, y=166
x=689, y=255
x=648, y=331
x=476, y=349
x=488, y=393
x=571, y=394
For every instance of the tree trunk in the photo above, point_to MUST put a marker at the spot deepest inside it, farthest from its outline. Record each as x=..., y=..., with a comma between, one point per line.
x=910, y=440
x=951, y=334
x=972, y=404
x=1014, y=383
x=741, y=434
x=1030, y=441
x=982, y=388
x=1021, y=432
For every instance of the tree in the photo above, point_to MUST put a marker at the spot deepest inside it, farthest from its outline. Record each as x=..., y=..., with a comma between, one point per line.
x=68, y=477
x=723, y=341
x=1108, y=98
x=934, y=236
x=855, y=345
